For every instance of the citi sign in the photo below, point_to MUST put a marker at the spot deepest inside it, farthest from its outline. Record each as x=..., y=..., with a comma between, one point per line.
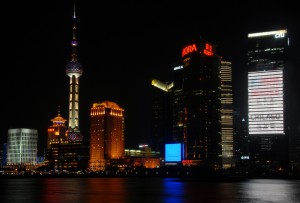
x=279, y=35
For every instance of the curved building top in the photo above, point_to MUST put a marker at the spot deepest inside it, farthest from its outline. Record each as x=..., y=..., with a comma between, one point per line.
x=107, y=104
x=58, y=119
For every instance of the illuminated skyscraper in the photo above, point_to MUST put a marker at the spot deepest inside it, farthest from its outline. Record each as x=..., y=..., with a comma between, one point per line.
x=22, y=147
x=74, y=71
x=201, y=99
x=106, y=134
x=226, y=115
x=267, y=63
x=57, y=131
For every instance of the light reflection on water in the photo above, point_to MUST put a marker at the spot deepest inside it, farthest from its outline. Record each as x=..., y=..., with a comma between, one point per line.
x=266, y=190
x=131, y=190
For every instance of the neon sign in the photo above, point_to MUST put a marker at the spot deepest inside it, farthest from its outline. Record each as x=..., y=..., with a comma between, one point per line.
x=208, y=50
x=188, y=49
x=279, y=35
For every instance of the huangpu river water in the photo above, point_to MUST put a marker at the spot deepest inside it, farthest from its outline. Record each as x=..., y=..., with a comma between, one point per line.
x=144, y=190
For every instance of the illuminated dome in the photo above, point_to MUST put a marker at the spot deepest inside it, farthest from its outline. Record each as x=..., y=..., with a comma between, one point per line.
x=74, y=67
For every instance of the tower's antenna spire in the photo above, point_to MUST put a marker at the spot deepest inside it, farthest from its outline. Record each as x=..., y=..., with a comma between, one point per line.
x=74, y=16
x=74, y=40
x=58, y=110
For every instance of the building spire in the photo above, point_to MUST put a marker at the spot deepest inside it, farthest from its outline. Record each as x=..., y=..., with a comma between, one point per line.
x=74, y=71
x=74, y=42
x=58, y=110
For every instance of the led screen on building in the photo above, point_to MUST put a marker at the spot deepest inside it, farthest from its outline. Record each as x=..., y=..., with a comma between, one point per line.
x=173, y=152
x=265, y=102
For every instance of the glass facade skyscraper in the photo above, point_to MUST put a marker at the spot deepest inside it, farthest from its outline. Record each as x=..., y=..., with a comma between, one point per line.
x=266, y=63
x=201, y=101
x=161, y=115
x=178, y=104
x=22, y=147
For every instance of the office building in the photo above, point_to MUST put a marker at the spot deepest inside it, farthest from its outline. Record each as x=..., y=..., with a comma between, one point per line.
x=57, y=131
x=22, y=147
x=227, y=142
x=56, y=136
x=161, y=125
x=177, y=100
x=107, y=141
x=267, y=99
x=201, y=99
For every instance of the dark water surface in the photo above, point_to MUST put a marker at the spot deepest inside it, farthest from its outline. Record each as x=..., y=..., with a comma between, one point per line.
x=144, y=190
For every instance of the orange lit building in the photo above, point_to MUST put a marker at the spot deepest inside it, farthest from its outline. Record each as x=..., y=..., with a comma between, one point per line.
x=61, y=153
x=57, y=132
x=106, y=134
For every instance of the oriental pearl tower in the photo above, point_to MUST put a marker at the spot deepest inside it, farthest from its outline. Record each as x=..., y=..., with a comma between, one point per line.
x=74, y=71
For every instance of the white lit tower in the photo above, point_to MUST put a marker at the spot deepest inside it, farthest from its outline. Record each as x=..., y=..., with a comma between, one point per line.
x=74, y=71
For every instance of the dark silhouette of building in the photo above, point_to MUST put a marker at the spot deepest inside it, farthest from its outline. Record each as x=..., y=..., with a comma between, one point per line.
x=202, y=103
x=4, y=154
x=161, y=115
x=178, y=113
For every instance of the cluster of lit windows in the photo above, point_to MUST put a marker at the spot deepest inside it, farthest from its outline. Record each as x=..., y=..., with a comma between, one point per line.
x=106, y=117
x=226, y=111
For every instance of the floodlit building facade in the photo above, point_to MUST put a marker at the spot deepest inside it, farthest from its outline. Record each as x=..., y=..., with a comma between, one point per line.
x=22, y=147
x=57, y=131
x=107, y=143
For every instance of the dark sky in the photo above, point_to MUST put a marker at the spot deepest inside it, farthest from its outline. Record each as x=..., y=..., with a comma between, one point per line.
x=121, y=47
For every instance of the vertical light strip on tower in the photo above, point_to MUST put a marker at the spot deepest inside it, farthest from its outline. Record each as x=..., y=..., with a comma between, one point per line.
x=226, y=114
x=74, y=71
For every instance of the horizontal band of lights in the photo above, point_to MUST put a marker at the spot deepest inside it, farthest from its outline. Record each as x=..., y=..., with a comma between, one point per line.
x=275, y=33
x=265, y=102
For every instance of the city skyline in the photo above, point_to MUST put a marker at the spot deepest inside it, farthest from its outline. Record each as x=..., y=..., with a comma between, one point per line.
x=121, y=47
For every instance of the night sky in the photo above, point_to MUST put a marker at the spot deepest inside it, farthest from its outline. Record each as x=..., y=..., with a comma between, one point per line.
x=121, y=47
